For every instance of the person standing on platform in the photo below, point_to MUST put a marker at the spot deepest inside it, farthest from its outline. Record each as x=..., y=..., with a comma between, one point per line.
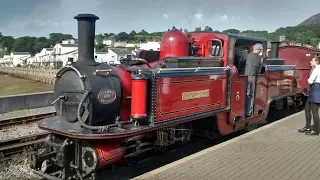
x=313, y=102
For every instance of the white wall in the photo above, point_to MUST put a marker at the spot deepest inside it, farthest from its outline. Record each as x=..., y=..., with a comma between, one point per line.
x=101, y=57
x=108, y=42
x=112, y=57
x=17, y=59
x=58, y=49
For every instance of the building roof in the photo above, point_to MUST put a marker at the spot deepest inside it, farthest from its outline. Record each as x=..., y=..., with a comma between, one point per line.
x=49, y=49
x=69, y=45
x=120, y=51
x=20, y=53
x=70, y=52
x=101, y=52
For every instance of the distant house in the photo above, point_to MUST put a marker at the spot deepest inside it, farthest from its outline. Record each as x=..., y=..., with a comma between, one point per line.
x=6, y=60
x=69, y=41
x=115, y=54
x=63, y=58
x=108, y=41
x=101, y=56
x=64, y=48
x=44, y=55
x=120, y=44
x=318, y=46
x=134, y=45
x=150, y=46
x=19, y=58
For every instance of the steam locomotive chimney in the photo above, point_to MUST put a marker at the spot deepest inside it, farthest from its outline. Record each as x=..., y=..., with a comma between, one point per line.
x=86, y=36
x=275, y=49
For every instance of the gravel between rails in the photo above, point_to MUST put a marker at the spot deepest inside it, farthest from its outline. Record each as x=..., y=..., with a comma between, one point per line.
x=19, y=130
x=17, y=169
x=27, y=112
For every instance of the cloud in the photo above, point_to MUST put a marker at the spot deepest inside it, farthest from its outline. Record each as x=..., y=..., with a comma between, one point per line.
x=165, y=16
x=198, y=16
x=224, y=17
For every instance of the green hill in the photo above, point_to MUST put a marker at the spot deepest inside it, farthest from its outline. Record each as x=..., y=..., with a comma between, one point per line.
x=315, y=19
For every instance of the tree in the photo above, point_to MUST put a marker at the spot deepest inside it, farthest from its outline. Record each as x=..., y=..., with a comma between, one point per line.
x=143, y=32
x=7, y=42
x=133, y=33
x=208, y=28
x=185, y=31
x=197, y=29
x=122, y=36
x=100, y=47
x=232, y=31
x=58, y=37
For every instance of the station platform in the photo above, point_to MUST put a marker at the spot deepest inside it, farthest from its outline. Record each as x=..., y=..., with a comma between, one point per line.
x=276, y=151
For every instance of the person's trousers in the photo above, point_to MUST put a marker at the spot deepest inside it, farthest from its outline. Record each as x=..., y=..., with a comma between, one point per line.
x=312, y=108
x=250, y=94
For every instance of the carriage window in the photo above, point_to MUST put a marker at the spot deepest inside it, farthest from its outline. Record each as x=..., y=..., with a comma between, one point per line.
x=216, y=48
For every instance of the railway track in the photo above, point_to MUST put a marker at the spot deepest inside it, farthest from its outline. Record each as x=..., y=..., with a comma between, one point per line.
x=24, y=120
x=25, y=144
x=22, y=145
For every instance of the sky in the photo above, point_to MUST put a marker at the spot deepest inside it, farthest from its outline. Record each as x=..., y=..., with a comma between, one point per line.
x=41, y=17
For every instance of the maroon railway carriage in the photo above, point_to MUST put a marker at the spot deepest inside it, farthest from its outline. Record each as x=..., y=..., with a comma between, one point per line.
x=106, y=113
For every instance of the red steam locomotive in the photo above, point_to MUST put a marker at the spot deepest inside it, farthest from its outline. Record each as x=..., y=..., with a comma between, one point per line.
x=106, y=113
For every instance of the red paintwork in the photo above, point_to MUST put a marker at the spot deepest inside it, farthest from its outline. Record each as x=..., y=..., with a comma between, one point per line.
x=108, y=153
x=301, y=57
x=261, y=94
x=238, y=88
x=171, y=105
x=203, y=40
x=273, y=78
x=139, y=98
x=174, y=43
x=125, y=78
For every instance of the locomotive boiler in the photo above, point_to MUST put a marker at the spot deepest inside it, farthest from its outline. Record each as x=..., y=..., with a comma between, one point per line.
x=108, y=113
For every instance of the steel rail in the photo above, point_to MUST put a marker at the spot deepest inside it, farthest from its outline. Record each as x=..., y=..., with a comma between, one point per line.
x=22, y=145
x=25, y=119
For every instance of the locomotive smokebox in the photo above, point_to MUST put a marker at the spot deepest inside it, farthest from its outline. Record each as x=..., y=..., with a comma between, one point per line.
x=86, y=36
x=275, y=49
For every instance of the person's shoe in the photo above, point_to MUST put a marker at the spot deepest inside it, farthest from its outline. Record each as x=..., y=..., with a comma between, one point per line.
x=304, y=130
x=314, y=133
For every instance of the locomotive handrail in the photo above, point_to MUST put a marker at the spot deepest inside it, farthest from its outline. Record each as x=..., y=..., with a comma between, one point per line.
x=279, y=67
x=64, y=69
x=195, y=69
x=282, y=65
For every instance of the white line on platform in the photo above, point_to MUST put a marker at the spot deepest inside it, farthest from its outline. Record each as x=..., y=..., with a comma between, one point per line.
x=175, y=163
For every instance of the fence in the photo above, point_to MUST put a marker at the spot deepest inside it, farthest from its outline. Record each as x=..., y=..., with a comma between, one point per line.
x=42, y=75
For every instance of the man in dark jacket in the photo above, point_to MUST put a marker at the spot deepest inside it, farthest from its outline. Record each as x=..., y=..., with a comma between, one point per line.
x=253, y=67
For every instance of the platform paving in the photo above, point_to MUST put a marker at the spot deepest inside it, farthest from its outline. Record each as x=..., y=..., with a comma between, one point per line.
x=273, y=152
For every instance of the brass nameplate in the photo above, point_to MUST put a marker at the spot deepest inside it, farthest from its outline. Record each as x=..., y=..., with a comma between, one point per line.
x=195, y=94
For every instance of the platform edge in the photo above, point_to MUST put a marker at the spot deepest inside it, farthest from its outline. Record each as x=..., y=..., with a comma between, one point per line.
x=180, y=161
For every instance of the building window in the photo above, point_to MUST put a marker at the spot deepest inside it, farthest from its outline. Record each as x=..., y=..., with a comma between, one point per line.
x=95, y=56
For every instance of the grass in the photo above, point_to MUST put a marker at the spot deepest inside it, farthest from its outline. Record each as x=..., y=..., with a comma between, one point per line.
x=12, y=86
